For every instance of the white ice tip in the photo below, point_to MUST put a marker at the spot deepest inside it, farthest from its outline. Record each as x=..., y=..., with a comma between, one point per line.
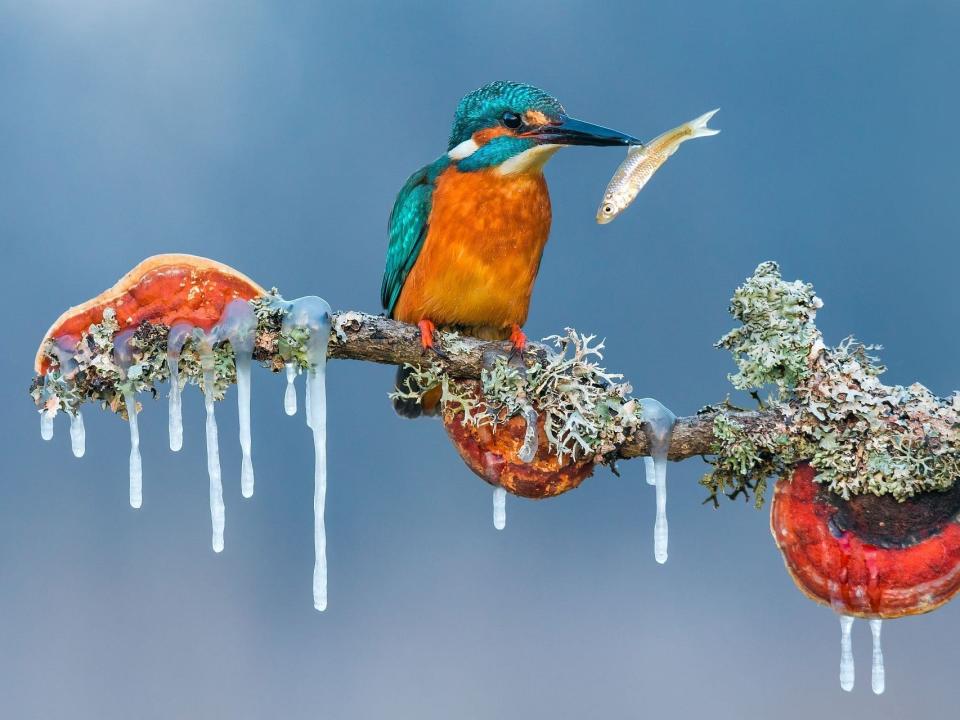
x=499, y=508
x=660, y=556
x=320, y=584
x=650, y=470
x=46, y=425
x=660, y=540
x=218, y=545
x=78, y=441
x=699, y=126
x=846, y=654
x=877, y=674
x=290, y=394
x=290, y=400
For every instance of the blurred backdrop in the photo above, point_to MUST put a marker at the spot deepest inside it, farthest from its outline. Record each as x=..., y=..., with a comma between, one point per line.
x=273, y=137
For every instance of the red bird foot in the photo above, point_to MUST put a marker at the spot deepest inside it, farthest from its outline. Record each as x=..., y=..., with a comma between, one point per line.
x=518, y=339
x=427, y=329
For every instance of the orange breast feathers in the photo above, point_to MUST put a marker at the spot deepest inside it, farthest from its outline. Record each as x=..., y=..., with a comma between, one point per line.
x=482, y=251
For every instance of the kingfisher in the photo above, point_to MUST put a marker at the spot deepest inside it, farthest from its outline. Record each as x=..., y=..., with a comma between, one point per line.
x=467, y=231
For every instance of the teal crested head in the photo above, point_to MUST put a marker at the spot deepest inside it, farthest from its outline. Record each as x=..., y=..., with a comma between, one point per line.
x=517, y=127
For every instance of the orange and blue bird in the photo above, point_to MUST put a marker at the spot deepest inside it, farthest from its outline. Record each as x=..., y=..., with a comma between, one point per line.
x=467, y=231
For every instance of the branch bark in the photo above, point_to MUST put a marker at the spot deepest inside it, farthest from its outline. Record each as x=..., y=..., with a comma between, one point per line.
x=359, y=336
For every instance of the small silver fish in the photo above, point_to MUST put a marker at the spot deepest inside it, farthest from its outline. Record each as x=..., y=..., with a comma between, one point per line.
x=643, y=161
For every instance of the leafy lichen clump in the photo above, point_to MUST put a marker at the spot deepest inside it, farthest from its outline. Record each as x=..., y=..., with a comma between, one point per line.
x=274, y=344
x=587, y=411
x=860, y=435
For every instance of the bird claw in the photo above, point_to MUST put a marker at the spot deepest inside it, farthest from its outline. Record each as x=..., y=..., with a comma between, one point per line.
x=427, y=342
x=518, y=340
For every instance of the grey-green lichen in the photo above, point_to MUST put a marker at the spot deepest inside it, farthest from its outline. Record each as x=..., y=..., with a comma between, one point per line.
x=587, y=411
x=272, y=341
x=860, y=435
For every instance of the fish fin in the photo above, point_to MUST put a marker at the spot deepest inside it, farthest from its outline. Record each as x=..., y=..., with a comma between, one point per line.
x=699, y=126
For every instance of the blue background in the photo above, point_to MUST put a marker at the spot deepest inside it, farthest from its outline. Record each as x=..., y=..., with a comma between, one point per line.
x=273, y=136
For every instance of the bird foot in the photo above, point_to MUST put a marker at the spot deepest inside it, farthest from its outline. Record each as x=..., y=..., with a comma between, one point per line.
x=518, y=340
x=427, y=331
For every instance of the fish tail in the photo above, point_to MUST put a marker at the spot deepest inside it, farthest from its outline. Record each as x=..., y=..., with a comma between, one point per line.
x=699, y=127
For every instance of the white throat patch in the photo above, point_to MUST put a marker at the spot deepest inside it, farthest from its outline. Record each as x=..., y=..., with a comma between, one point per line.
x=529, y=160
x=463, y=150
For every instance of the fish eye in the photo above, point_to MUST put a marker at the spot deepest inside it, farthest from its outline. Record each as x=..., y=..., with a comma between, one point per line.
x=608, y=209
x=511, y=120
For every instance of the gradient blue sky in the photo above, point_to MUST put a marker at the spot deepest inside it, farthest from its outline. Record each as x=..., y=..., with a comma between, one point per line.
x=273, y=136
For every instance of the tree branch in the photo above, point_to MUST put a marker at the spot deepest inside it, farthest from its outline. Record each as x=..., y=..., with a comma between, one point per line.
x=359, y=336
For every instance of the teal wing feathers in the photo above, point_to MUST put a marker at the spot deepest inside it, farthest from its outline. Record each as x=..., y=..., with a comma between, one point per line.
x=408, y=229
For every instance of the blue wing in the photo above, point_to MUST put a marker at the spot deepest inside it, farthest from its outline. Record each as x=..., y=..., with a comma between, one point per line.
x=408, y=229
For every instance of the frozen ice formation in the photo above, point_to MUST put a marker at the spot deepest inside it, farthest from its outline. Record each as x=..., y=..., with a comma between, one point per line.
x=877, y=674
x=658, y=426
x=238, y=325
x=290, y=394
x=78, y=435
x=123, y=355
x=312, y=314
x=499, y=508
x=176, y=339
x=846, y=653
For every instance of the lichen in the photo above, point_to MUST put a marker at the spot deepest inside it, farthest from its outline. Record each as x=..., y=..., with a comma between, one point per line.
x=860, y=435
x=96, y=376
x=587, y=411
x=272, y=342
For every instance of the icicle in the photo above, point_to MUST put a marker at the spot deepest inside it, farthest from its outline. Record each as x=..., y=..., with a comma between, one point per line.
x=877, y=674
x=846, y=653
x=658, y=425
x=290, y=394
x=313, y=314
x=123, y=354
x=46, y=425
x=78, y=442
x=175, y=340
x=529, y=448
x=307, y=410
x=136, y=471
x=217, y=511
x=500, y=507
x=650, y=470
x=239, y=326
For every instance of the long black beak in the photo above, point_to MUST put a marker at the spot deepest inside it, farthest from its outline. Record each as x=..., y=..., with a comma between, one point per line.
x=570, y=131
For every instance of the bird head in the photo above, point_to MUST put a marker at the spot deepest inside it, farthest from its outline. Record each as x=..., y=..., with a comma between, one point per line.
x=516, y=128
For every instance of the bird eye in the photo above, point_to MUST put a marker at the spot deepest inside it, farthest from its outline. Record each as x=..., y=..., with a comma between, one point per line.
x=511, y=120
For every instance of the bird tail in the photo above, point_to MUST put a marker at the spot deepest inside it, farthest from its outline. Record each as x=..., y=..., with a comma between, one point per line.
x=698, y=127
x=409, y=408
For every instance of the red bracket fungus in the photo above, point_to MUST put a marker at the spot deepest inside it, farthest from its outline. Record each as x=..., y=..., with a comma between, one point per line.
x=494, y=454
x=869, y=556
x=164, y=290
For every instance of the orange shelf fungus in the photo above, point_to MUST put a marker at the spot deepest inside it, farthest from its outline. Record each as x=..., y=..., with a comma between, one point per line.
x=164, y=290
